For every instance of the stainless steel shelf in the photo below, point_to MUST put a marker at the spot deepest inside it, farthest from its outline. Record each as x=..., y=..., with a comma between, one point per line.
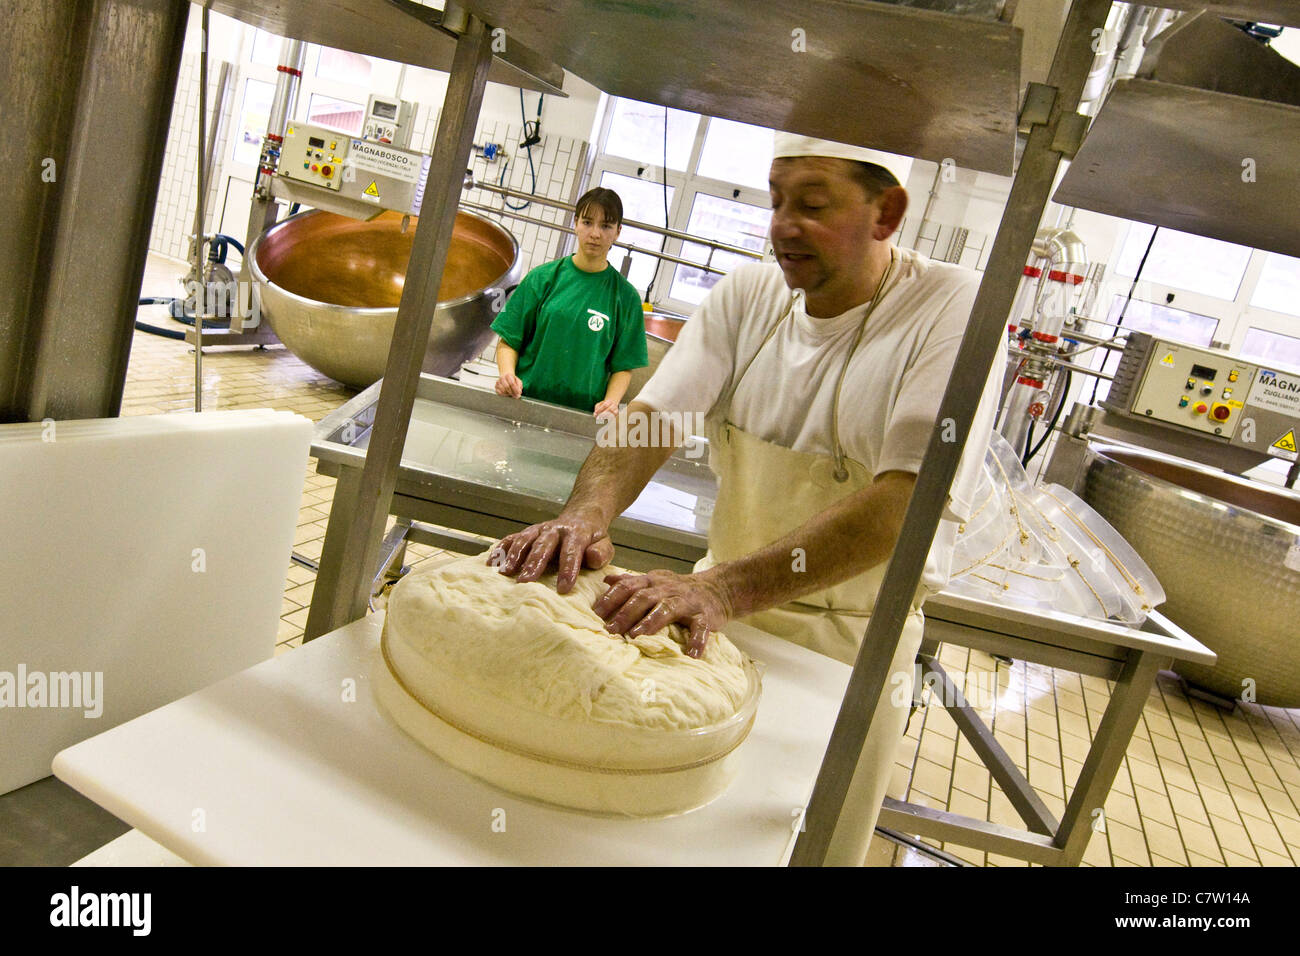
x=940, y=84
x=1173, y=156
x=386, y=29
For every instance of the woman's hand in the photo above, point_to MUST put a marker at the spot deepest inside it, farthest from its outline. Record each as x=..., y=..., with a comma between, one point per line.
x=608, y=407
x=511, y=386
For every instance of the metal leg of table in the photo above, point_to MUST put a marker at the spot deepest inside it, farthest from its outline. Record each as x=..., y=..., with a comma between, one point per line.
x=342, y=514
x=1108, y=749
x=1051, y=843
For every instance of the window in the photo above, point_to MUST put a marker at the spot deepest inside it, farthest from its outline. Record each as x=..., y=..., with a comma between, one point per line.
x=736, y=153
x=724, y=220
x=637, y=133
x=342, y=66
x=266, y=48
x=1272, y=348
x=1183, y=261
x=254, y=114
x=643, y=201
x=1164, y=322
x=343, y=115
x=1279, y=285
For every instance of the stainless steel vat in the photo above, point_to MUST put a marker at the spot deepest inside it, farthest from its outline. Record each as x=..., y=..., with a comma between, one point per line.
x=329, y=287
x=1227, y=552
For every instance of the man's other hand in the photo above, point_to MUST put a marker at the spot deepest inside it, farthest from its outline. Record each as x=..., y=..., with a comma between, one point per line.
x=637, y=604
x=576, y=541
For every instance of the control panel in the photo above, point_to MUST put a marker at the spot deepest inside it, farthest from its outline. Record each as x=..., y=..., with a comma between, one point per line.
x=314, y=154
x=1193, y=387
x=388, y=121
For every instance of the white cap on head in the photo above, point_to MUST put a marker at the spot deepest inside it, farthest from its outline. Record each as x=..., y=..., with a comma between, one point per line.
x=789, y=146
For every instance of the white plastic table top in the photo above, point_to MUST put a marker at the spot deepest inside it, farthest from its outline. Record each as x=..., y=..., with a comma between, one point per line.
x=277, y=766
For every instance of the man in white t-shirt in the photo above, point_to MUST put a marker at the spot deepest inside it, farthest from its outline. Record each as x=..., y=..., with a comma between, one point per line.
x=819, y=406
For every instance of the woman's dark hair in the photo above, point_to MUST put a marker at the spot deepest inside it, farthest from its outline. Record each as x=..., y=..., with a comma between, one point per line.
x=606, y=200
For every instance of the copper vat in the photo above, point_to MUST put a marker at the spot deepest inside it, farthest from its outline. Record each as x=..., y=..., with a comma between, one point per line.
x=329, y=287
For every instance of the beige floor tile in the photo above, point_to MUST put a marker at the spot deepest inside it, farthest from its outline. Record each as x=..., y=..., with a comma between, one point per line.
x=1198, y=837
x=1236, y=774
x=1015, y=748
x=1158, y=860
x=1238, y=859
x=972, y=856
x=1188, y=804
x=1142, y=751
x=1279, y=803
x=1288, y=771
x=1123, y=809
x=1071, y=702
x=301, y=594
x=966, y=752
x=1197, y=859
x=1194, y=745
x=1123, y=781
x=1046, y=778
x=1144, y=774
x=1044, y=748
x=1168, y=749
x=1009, y=722
x=1262, y=773
x=971, y=778
x=1218, y=803
x=1269, y=858
x=297, y=574
x=1158, y=724
x=1224, y=749
x=968, y=806
x=288, y=606
x=1075, y=748
x=311, y=549
x=1263, y=834
x=1248, y=800
x=1076, y=724
x=931, y=778
x=1098, y=851
x=298, y=618
x=1208, y=776
x=1154, y=805
x=1001, y=810
x=1127, y=843
x=1177, y=775
x=1232, y=836
x=937, y=748
x=898, y=781
x=995, y=859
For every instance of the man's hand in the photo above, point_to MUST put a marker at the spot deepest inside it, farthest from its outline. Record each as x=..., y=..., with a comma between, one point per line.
x=607, y=407
x=526, y=555
x=639, y=604
x=509, y=385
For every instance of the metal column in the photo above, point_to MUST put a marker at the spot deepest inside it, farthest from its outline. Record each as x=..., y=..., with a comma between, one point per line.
x=351, y=552
x=980, y=347
x=90, y=86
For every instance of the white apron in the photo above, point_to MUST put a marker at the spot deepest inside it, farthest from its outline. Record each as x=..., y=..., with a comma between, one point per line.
x=765, y=491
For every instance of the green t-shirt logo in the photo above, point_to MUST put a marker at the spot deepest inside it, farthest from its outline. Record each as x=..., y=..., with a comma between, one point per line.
x=597, y=320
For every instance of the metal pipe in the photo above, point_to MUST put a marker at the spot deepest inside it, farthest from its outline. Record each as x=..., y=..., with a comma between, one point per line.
x=200, y=230
x=479, y=207
x=648, y=227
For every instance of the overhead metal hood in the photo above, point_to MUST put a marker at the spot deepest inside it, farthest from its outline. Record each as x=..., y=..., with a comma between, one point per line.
x=930, y=83
x=398, y=30
x=1202, y=141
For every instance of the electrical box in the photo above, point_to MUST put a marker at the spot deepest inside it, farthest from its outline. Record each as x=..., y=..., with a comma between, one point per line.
x=384, y=176
x=1220, y=396
x=388, y=121
x=314, y=154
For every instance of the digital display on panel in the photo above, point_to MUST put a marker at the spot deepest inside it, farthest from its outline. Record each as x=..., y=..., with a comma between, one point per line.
x=1200, y=371
x=384, y=110
x=315, y=142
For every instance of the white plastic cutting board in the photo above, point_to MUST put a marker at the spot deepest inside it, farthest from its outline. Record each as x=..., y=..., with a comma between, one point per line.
x=292, y=762
x=149, y=550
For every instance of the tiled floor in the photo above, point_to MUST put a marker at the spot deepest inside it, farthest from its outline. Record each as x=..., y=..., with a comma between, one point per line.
x=1197, y=787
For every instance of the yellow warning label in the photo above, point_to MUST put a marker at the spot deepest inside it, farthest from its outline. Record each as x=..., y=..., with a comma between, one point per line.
x=1168, y=360
x=372, y=189
x=1286, y=442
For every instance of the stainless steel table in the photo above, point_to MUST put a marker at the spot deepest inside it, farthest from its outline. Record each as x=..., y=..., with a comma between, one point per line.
x=482, y=466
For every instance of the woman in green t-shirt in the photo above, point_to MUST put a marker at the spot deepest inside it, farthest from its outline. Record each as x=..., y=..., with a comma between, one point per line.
x=574, y=329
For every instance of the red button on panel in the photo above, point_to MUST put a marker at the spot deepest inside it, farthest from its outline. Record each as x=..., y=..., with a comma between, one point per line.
x=1221, y=413
x=1200, y=408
